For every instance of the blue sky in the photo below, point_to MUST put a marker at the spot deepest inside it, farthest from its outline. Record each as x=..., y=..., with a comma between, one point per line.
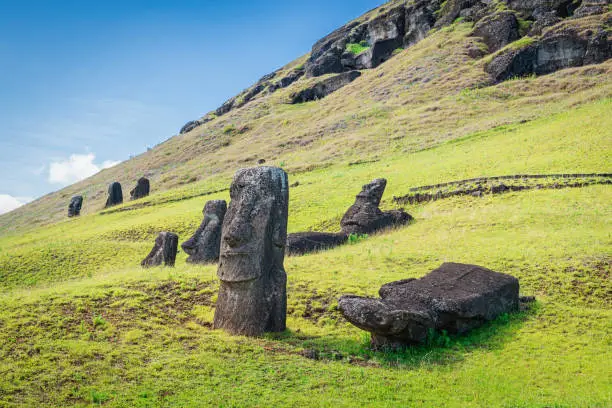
x=85, y=84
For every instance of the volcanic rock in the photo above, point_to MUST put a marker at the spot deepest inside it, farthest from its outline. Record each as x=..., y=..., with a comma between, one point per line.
x=203, y=247
x=454, y=297
x=163, y=252
x=253, y=292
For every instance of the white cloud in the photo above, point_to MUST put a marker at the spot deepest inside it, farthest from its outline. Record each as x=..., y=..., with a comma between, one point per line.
x=76, y=168
x=9, y=203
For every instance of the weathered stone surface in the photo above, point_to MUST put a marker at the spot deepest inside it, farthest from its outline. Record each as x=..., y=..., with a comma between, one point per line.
x=115, y=195
x=591, y=7
x=253, y=292
x=305, y=242
x=74, y=208
x=394, y=27
x=364, y=216
x=324, y=87
x=454, y=297
x=497, y=30
x=562, y=46
x=286, y=81
x=189, y=126
x=204, y=246
x=141, y=190
x=163, y=252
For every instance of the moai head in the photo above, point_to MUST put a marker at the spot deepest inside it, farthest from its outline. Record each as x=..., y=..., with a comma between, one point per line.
x=372, y=193
x=141, y=190
x=115, y=194
x=255, y=226
x=74, y=208
x=204, y=245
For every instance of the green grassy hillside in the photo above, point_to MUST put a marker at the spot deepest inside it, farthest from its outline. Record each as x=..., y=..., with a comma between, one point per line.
x=81, y=323
x=428, y=94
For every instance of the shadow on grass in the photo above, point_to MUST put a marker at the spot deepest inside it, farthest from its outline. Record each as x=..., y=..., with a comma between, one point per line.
x=441, y=349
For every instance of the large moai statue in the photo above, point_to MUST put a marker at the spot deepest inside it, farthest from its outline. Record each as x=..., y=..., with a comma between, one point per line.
x=364, y=216
x=454, y=297
x=163, y=252
x=115, y=195
x=253, y=292
x=204, y=246
x=74, y=208
x=141, y=190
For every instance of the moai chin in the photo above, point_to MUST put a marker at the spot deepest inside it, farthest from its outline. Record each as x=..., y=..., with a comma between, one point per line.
x=203, y=247
x=253, y=292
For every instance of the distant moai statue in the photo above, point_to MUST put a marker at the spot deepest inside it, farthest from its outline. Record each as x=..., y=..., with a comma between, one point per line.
x=74, y=208
x=115, y=195
x=163, y=252
x=364, y=216
x=204, y=246
x=141, y=190
x=253, y=292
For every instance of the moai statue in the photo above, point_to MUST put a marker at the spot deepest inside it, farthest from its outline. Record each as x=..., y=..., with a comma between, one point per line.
x=141, y=190
x=74, y=208
x=253, y=292
x=163, y=252
x=364, y=216
x=115, y=195
x=204, y=246
x=454, y=297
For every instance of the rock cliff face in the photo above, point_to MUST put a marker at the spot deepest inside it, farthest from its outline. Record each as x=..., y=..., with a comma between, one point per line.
x=555, y=27
x=567, y=44
x=396, y=27
x=323, y=88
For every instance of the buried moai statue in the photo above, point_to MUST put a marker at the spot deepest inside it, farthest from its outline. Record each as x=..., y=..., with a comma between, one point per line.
x=253, y=292
x=115, y=195
x=163, y=252
x=203, y=247
x=454, y=297
x=364, y=216
x=74, y=208
x=141, y=190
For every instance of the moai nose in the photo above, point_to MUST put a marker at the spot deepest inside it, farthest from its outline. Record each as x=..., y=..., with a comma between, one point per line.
x=237, y=234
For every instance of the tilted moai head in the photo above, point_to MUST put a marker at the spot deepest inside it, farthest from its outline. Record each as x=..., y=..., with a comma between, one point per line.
x=74, y=208
x=364, y=216
x=141, y=190
x=372, y=193
x=115, y=194
x=205, y=244
x=252, y=297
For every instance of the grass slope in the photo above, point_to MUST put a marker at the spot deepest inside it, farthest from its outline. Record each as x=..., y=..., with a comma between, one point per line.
x=82, y=324
x=426, y=95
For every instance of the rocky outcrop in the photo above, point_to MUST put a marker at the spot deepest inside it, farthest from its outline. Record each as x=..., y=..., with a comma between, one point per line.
x=455, y=298
x=497, y=30
x=591, y=8
x=163, y=252
x=324, y=87
x=302, y=243
x=565, y=45
x=364, y=216
x=74, y=208
x=203, y=247
x=398, y=26
x=141, y=190
x=115, y=195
